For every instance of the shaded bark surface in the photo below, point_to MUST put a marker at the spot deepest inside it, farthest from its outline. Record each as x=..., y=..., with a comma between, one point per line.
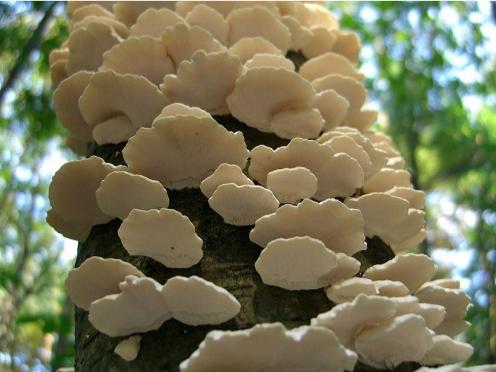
x=228, y=261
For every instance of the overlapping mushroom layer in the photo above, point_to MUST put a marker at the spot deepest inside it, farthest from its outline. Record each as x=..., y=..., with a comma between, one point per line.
x=156, y=75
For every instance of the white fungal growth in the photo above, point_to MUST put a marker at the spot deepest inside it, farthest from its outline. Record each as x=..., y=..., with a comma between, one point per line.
x=291, y=185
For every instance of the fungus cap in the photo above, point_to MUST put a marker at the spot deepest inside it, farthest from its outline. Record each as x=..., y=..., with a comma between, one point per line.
x=120, y=192
x=224, y=173
x=95, y=278
x=346, y=290
x=196, y=301
x=209, y=19
x=180, y=151
x=296, y=263
x=329, y=63
x=302, y=123
x=165, y=235
x=291, y=185
x=446, y=351
x=337, y=226
x=269, y=60
x=247, y=47
x=332, y=107
x=153, y=22
x=242, y=205
x=128, y=348
x=139, y=307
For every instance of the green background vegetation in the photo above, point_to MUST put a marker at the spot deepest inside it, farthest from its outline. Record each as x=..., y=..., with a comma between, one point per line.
x=431, y=71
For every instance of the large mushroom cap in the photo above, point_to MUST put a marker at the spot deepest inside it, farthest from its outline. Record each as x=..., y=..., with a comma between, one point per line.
x=181, y=151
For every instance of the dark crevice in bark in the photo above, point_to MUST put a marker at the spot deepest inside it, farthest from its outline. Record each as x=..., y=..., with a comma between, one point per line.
x=228, y=261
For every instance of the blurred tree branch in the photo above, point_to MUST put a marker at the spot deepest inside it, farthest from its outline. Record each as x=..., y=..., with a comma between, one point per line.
x=31, y=45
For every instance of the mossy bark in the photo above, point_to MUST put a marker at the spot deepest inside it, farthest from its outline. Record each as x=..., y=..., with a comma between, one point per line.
x=228, y=261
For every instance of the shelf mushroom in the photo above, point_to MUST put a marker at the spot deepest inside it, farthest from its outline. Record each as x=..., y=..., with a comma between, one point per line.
x=224, y=173
x=128, y=348
x=291, y=185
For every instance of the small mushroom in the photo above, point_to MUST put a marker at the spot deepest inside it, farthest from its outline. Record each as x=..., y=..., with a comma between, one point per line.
x=416, y=198
x=247, y=47
x=452, y=327
x=196, y=301
x=225, y=173
x=165, y=235
x=90, y=9
x=348, y=145
x=348, y=318
x=401, y=339
x=65, y=104
x=446, y=351
x=346, y=267
x=209, y=19
x=386, y=179
x=242, y=205
x=87, y=45
x=269, y=60
x=180, y=151
x=139, y=307
x=303, y=123
x=259, y=93
x=182, y=41
x=326, y=64
x=391, y=288
x=58, y=72
x=120, y=192
x=123, y=102
x=330, y=221
x=332, y=107
x=270, y=347
x=204, y=81
x=390, y=218
x=128, y=349
x=119, y=27
x=347, y=44
x=291, y=185
x=178, y=109
x=129, y=11
x=95, y=278
x=445, y=283
x=411, y=269
x=299, y=34
x=297, y=263
x=346, y=290
x=153, y=22
x=433, y=314
x=241, y=21
x=339, y=174
x=133, y=56
x=72, y=197
x=361, y=120
x=319, y=41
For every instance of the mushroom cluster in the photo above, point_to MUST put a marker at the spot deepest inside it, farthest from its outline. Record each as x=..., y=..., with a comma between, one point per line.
x=270, y=123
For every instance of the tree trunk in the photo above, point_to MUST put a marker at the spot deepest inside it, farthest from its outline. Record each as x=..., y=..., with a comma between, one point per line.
x=228, y=261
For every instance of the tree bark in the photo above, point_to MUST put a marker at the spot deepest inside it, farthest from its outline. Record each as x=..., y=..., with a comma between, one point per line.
x=228, y=261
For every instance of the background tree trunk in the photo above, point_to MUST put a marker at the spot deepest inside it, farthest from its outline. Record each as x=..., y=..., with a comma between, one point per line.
x=228, y=261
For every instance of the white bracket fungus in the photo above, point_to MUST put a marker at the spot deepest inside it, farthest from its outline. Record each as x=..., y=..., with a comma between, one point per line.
x=346, y=267
x=332, y=107
x=165, y=235
x=181, y=151
x=348, y=145
x=268, y=26
x=270, y=347
x=411, y=269
x=348, y=289
x=129, y=11
x=361, y=120
x=269, y=60
x=87, y=45
x=225, y=173
x=304, y=123
x=178, y=109
x=391, y=288
x=455, y=301
x=433, y=314
x=95, y=278
x=133, y=56
x=259, y=93
x=348, y=318
x=386, y=179
x=139, y=307
x=330, y=221
x=338, y=174
x=319, y=41
x=90, y=10
x=446, y=351
x=347, y=44
x=390, y=218
x=72, y=197
x=183, y=41
x=128, y=349
x=66, y=105
x=120, y=192
x=296, y=263
x=327, y=64
x=403, y=338
x=119, y=27
x=247, y=47
x=196, y=301
x=242, y=205
x=153, y=22
x=209, y=19
x=204, y=81
x=291, y=185
x=119, y=104
x=416, y=198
